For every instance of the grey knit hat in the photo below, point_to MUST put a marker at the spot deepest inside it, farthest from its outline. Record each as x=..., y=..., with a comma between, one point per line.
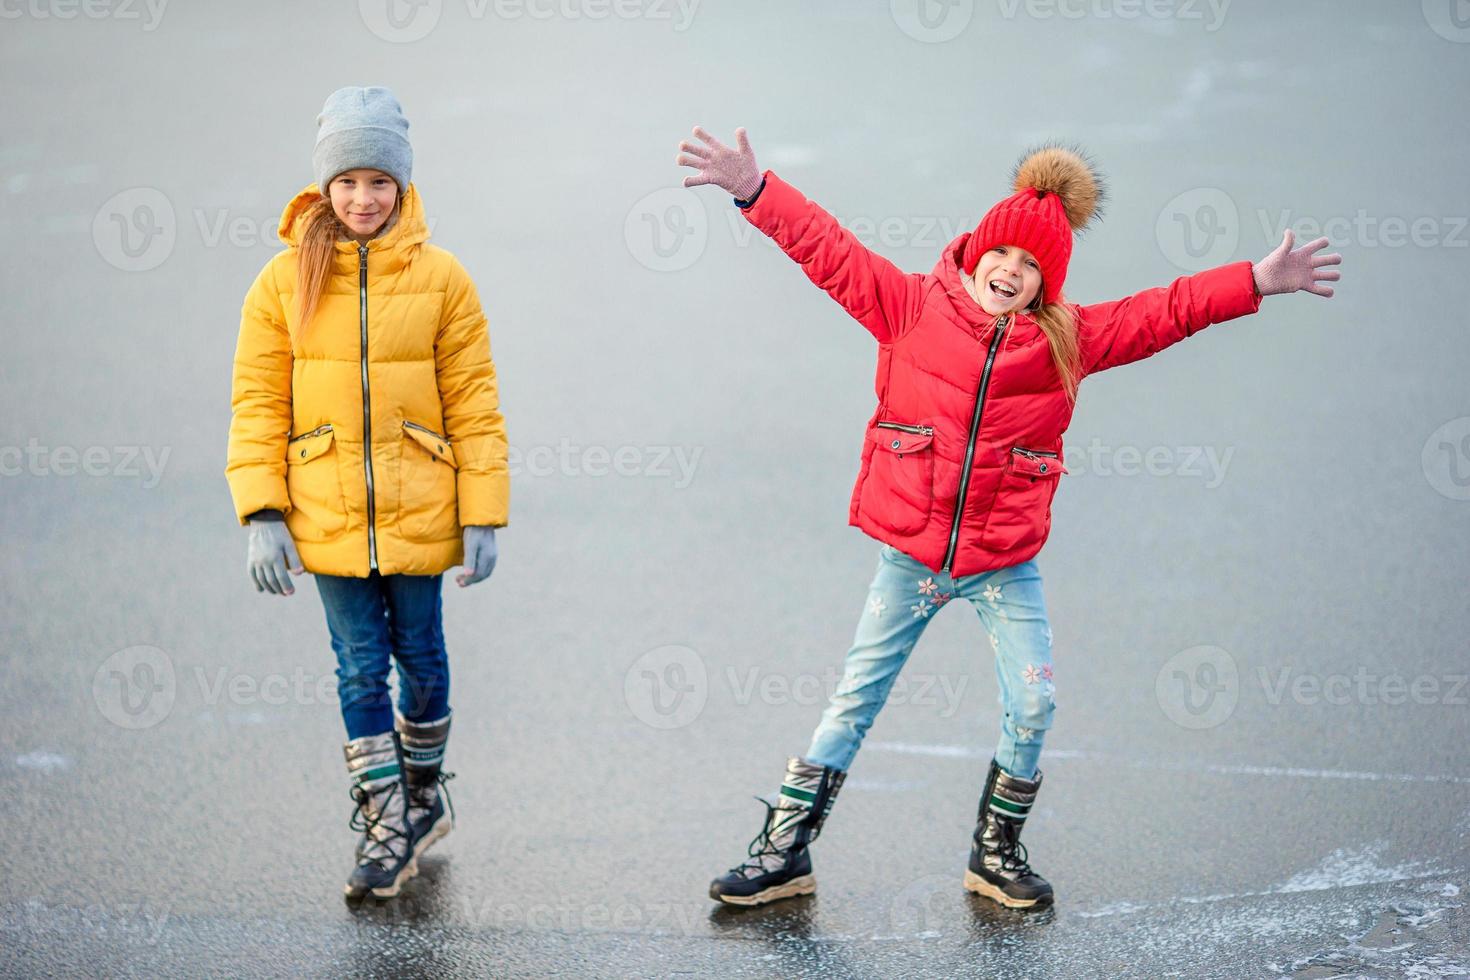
x=362, y=127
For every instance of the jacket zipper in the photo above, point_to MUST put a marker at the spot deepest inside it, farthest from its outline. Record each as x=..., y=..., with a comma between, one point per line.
x=919, y=430
x=367, y=411
x=1032, y=452
x=425, y=428
x=959, y=502
x=324, y=427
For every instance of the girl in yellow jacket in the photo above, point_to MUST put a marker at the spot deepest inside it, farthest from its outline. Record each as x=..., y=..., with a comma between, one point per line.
x=367, y=447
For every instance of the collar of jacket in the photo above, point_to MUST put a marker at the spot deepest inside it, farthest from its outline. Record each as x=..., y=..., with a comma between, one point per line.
x=389, y=251
x=969, y=312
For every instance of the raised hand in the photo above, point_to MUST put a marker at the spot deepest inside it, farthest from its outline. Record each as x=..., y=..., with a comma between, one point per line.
x=733, y=169
x=271, y=553
x=1287, y=271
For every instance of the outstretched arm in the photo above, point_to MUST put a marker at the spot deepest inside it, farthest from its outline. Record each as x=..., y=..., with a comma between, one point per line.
x=1141, y=325
x=872, y=289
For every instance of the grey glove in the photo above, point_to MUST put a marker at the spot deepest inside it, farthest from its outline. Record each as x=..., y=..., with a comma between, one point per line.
x=272, y=552
x=480, y=553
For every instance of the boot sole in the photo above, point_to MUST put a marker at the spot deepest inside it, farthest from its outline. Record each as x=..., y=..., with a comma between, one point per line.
x=978, y=885
x=805, y=885
x=391, y=889
x=436, y=833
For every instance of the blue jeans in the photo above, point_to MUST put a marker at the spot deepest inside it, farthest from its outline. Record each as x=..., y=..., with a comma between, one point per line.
x=903, y=598
x=375, y=621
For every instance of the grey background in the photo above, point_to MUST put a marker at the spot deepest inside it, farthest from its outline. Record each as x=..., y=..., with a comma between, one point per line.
x=1288, y=836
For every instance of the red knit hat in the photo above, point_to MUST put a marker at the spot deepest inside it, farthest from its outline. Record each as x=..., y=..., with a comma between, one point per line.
x=1057, y=192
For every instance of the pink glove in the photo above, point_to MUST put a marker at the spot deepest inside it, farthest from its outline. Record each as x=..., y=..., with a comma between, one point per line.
x=1286, y=271
x=718, y=164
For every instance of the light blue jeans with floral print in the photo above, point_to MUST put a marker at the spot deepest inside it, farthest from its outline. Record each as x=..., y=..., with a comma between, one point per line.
x=902, y=600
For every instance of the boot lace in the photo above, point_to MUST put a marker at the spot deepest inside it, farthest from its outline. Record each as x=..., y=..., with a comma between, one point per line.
x=761, y=847
x=1012, y=852
x=376, y=833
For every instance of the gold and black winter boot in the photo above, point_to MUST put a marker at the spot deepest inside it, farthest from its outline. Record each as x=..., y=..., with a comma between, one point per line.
x=430, y=811
x=385, y=858
x=998, y=861
x=779, y=865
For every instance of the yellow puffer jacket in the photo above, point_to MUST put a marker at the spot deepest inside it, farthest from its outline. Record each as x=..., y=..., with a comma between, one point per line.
x=399, y=350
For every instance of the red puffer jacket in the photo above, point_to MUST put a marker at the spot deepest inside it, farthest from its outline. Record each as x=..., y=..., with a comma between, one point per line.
x=963, y=455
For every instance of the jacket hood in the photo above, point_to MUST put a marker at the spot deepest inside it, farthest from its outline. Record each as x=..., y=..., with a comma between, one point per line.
x=410, y=229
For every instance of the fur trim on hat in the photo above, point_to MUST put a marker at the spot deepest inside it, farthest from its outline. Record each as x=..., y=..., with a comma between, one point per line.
x=1066, y=172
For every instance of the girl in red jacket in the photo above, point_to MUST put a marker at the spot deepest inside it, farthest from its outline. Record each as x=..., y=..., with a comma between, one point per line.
x=978, y=367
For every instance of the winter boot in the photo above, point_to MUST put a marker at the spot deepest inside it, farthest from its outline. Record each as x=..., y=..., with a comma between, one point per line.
x=779, y=864
x=423, y=760
x=385, y=858
x=998, y=863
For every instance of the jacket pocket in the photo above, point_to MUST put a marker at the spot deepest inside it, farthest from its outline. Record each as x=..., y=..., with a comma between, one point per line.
x=899, y=489
x=1021, y=513
x=428, y=499
x=314, y=484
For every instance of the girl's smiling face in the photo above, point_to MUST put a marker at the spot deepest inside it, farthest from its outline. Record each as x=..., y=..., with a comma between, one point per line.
x=363, y=199
x=1007, y=278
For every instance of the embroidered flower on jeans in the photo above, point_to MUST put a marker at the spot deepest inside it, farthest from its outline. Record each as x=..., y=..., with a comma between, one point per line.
x=876, y=605
x=994, y=642
x=941, y=599
x=992, y=592
x=1031, y=674
x=1046, y=671
x=922, y=609
x=927, y=587
x=1001, y=613
x=1024, y=734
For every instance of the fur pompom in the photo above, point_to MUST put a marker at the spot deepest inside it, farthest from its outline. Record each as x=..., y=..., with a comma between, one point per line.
x=1067, y=172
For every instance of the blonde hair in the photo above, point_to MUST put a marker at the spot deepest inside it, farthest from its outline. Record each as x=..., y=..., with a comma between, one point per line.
x=316, y=252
